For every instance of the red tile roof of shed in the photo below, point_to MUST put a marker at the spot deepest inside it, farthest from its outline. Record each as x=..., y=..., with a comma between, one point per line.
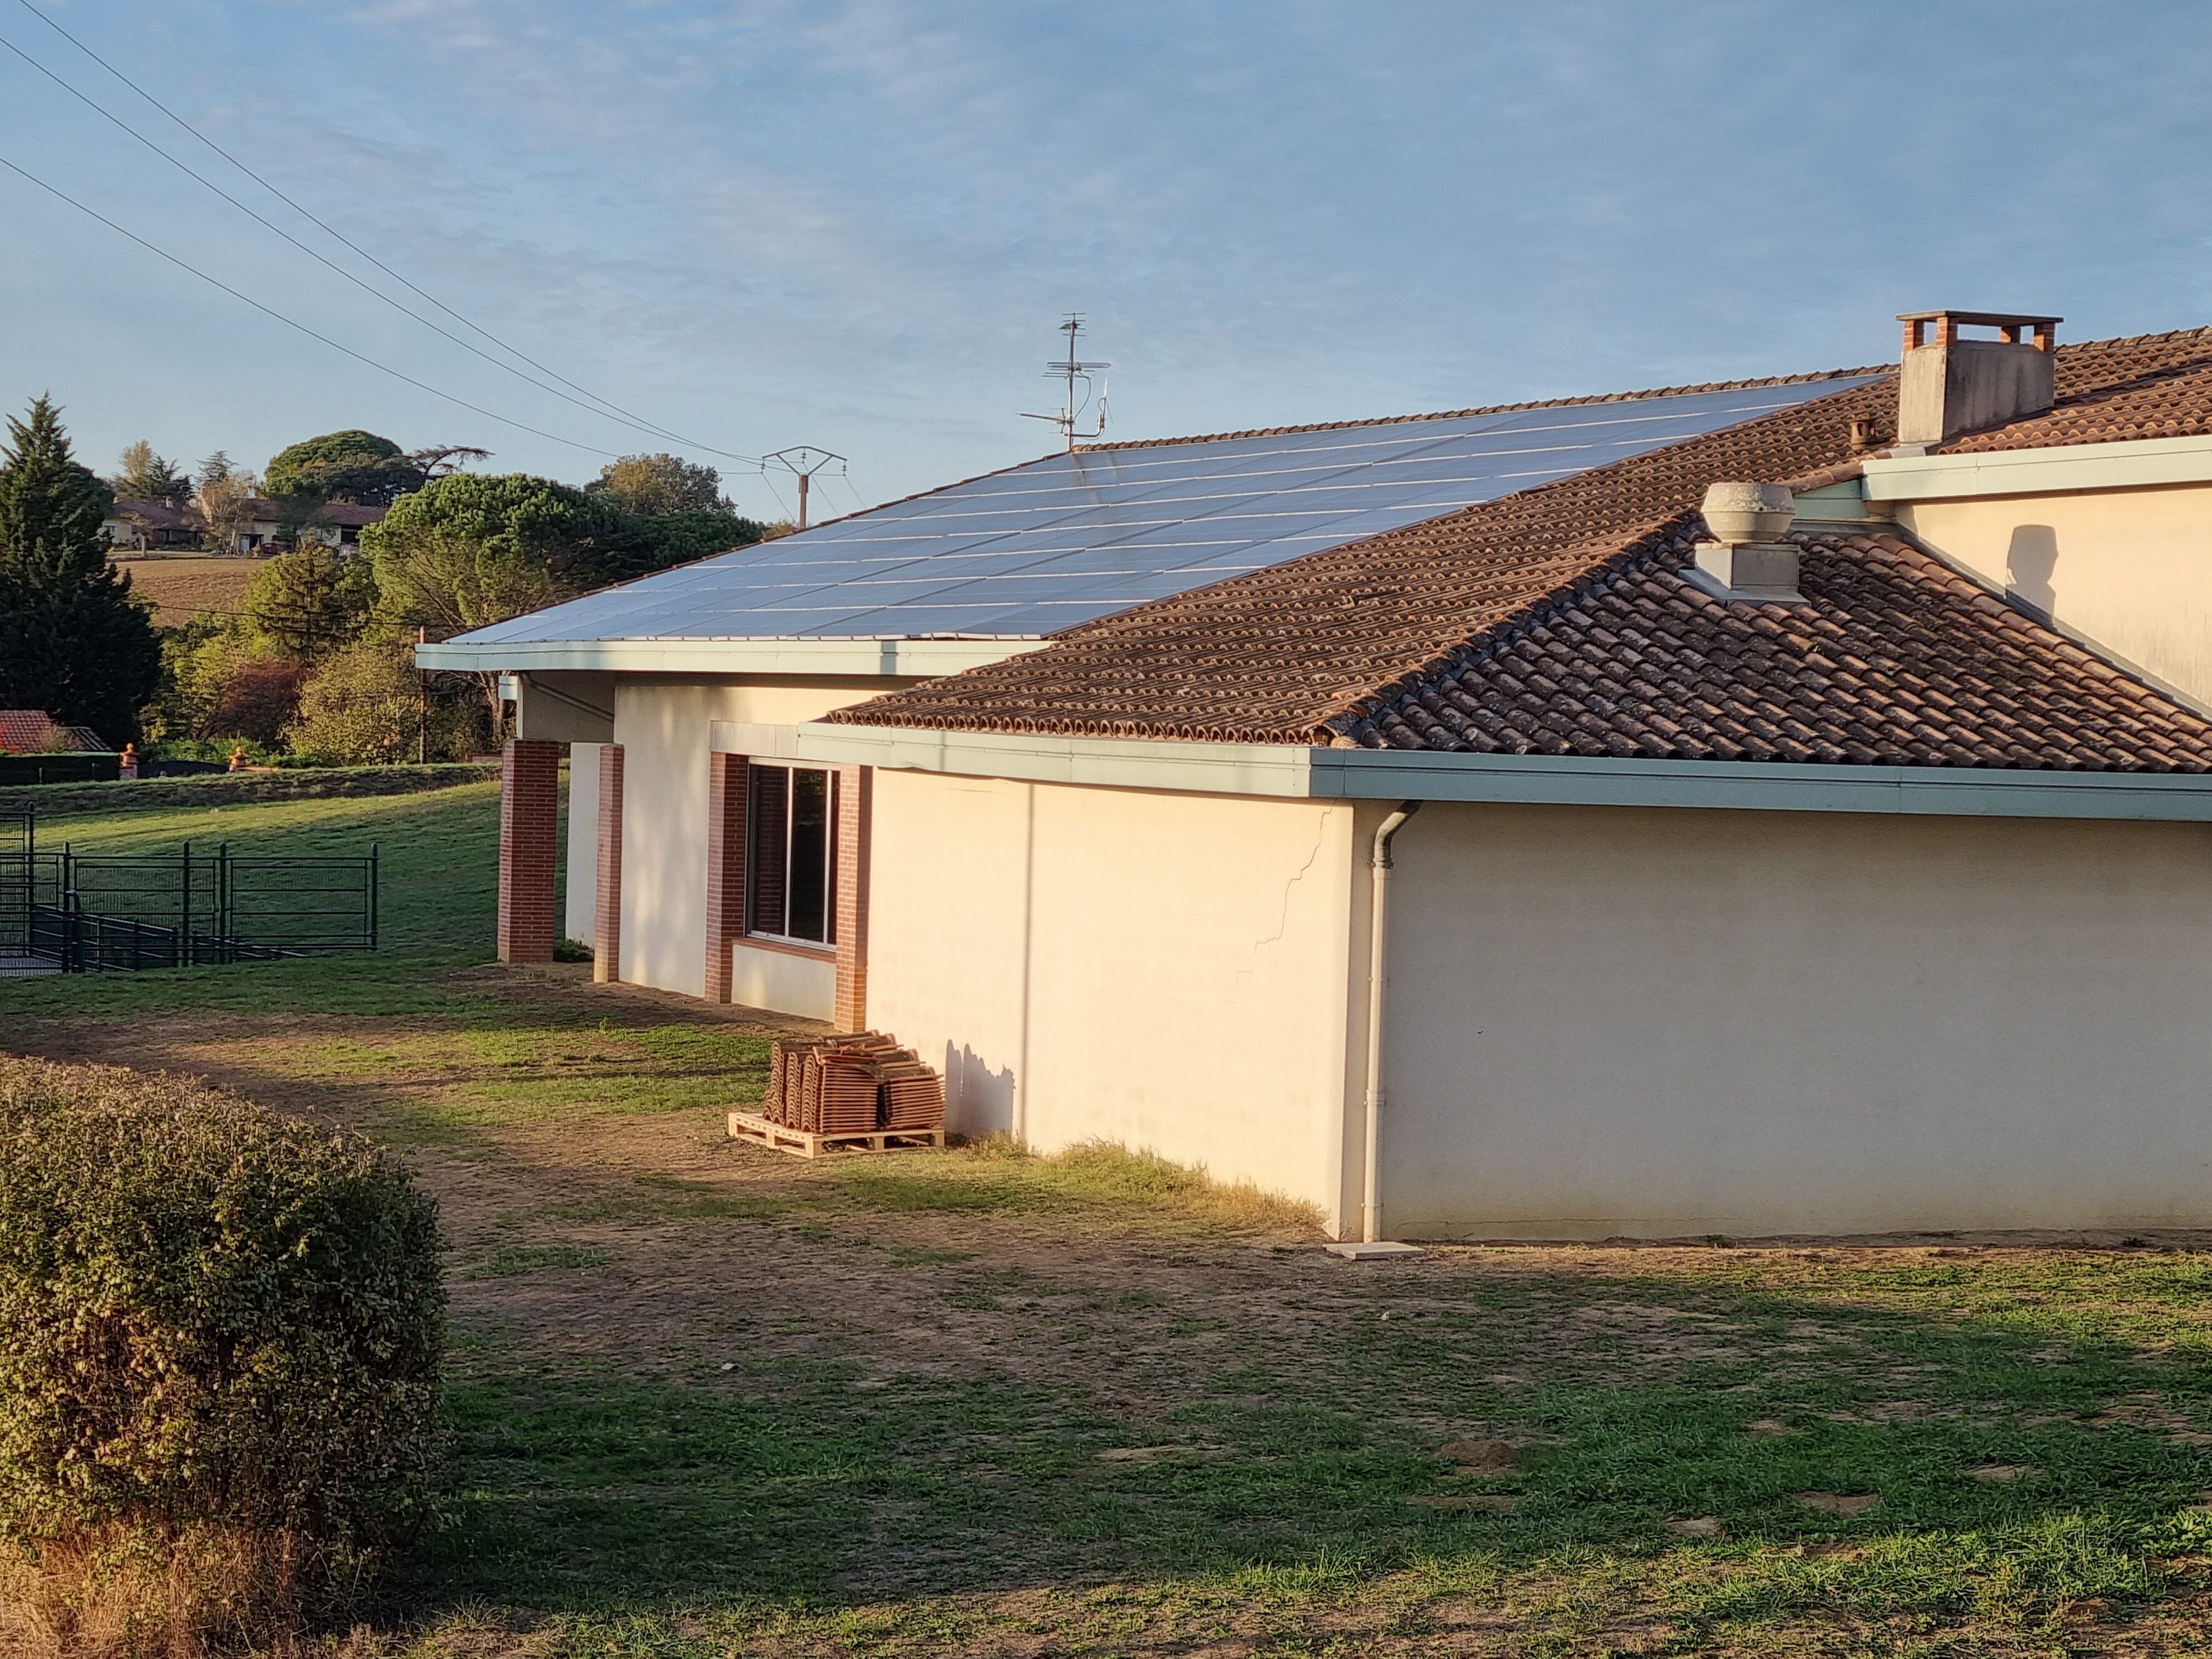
x=33, y=730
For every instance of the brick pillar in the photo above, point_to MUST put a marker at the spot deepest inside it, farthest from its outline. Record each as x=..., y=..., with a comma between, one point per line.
x=856, y=821
x=529, y=823
x=607, y=895
x=726, y=867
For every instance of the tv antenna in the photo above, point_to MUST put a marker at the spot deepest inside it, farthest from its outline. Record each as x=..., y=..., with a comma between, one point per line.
x=803, y=461
x=1071, y=371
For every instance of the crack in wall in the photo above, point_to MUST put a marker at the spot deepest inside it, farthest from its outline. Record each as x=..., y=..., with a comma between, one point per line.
x=1282, y=922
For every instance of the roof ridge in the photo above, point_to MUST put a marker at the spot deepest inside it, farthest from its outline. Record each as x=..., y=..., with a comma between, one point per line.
x=1583, y=580
x=1494, y=409
x=2119, y=340
x=2114, y=343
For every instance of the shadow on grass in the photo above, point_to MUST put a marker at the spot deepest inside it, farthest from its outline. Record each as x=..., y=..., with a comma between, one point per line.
x=792, y=1484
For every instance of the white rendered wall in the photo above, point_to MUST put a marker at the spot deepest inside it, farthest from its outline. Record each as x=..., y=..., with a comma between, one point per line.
x=1166, y=971
x=582, y=873
x=664, y=725
x=2130, y=569
x=1661, y=1023
x=785, y=981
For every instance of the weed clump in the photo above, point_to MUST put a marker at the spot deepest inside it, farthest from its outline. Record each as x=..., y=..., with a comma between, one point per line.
x=220, y=1340
x=998, y=1173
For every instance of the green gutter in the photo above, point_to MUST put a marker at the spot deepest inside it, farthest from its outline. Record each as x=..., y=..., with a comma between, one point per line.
x=1289, y=771
x=2063, y=468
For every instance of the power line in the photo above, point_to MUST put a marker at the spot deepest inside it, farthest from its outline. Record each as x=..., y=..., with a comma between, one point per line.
x=374, y=293
x=341, y=270
x=636, y=421
x=288, y=322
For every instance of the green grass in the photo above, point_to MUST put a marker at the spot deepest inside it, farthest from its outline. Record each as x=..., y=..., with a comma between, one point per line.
x=1096, y=1180
x=514, y=1259
x=833, y=1492
x=438, y=854
x=749, y=1498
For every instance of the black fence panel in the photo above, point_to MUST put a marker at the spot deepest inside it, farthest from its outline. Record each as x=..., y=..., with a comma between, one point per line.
x=97, y=913
x=15, y=848
x=60, y=769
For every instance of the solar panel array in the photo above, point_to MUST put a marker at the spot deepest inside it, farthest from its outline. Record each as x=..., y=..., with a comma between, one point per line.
x=1062, y=540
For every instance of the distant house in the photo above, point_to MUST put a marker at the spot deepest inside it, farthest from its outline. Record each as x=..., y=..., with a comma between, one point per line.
x=340, y=525
x=1472, y=820
x=35, y=731
x=155, y=527
x=150, y=526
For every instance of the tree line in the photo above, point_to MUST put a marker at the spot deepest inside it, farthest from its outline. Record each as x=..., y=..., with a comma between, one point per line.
x=317, y=664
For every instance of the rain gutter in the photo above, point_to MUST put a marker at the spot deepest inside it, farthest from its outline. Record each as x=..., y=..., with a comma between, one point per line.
x=906, y=659
x=1295, y=772
x=2052, y=470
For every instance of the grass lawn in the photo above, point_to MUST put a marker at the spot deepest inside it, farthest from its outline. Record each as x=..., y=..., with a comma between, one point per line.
x=708, y=1400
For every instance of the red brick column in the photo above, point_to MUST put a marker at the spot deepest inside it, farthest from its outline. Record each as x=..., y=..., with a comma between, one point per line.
x=726, y=867
x=856, y=821
x=529, y=824
x=607, y=895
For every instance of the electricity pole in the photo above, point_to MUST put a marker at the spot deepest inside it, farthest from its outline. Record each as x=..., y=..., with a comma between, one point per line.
x=803, y=461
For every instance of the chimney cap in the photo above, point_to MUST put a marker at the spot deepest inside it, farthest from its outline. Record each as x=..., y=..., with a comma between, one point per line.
x=1984, y=319
x=2041, y=332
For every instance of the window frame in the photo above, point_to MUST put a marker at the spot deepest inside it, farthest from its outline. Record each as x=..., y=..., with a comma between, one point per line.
x=833, y=790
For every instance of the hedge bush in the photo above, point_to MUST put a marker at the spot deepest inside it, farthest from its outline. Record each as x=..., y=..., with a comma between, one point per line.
x=217, y=1323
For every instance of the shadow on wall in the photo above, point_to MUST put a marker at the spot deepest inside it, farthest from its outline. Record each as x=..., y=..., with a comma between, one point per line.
x=2029, y=561
x=978, y=1101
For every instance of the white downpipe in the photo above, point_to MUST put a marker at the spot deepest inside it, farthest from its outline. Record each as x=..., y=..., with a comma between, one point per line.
x=1378, y=917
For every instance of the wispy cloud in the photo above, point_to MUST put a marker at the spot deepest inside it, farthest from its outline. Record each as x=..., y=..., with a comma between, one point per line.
x=854, y=223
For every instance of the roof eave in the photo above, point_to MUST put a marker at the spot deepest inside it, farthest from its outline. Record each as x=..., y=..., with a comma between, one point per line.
x=2048, y=470
x=894, y=657
x=1295, y=771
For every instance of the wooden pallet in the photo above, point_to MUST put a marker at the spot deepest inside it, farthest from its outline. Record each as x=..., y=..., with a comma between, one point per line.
x=805, y=1142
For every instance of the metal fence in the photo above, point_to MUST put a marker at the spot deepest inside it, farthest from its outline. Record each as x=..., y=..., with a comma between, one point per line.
x=96, y=913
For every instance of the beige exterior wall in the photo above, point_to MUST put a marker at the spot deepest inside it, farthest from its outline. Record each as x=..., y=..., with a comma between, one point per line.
x=1164, y=970
x=783, y=980
x=664, y=725
x=1660, y=1023
x=2130, y=569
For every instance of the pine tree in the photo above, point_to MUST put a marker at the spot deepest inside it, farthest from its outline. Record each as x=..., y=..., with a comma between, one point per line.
x=73, y=639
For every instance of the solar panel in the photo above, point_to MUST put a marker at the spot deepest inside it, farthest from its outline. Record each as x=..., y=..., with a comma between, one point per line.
x=1071, y=538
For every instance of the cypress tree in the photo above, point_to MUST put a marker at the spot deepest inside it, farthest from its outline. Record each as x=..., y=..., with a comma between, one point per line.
x=74, y=640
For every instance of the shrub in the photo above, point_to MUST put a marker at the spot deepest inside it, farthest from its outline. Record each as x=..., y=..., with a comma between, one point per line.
x=366, y=706
x=220, y=1338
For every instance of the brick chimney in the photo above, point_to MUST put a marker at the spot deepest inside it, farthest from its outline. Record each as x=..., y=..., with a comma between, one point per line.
x=1949, y=386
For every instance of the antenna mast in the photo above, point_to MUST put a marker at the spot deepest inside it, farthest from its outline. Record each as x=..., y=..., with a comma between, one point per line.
x=1073, y=371
x=803, y=461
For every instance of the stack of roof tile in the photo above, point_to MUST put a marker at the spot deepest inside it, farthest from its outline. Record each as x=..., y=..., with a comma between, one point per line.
x=914, y=1096
x=855, y=1083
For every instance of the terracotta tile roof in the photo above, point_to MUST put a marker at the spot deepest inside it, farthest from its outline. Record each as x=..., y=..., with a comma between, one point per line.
x=339, y=512
x=33, y=730
x=1346, y=645
x=1896, y=660
x=2154, y=386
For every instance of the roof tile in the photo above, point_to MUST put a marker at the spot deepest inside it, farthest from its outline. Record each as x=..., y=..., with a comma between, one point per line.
x=1561, y=620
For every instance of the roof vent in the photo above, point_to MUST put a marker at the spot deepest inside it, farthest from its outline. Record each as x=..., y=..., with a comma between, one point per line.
x=1949, y=386
x=1746, y=561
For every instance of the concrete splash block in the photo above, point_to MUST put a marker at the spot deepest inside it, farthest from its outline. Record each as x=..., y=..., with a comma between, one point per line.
x=1378, y=1252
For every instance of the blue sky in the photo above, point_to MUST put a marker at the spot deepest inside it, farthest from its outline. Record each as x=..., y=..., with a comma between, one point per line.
x=856, y=223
